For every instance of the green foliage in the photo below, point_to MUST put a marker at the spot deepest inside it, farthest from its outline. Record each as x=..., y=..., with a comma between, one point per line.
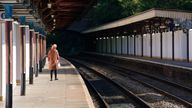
x=110, y=10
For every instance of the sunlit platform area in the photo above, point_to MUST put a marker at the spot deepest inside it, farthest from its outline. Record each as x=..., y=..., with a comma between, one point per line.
x=68, y=92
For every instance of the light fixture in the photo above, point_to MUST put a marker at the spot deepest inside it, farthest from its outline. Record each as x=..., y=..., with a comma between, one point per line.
x=54, y=20
x=49, y=5
x=177, y=25
x=157, y=24
x=117, y=37
x=162, y=26
x=52, y=16
x=123, y=36
x=146, y=26
x=54, y=24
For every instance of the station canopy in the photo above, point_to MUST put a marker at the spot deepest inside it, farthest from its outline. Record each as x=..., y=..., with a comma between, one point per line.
x=61, y=13
x=153, y=20
x=51, y=14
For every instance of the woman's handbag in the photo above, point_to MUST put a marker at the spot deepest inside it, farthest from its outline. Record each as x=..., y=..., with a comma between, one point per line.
x=58, y=64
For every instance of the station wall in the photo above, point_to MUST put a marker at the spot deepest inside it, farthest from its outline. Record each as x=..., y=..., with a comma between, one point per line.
x=180, y=46
x=156, y=45
x=27, y=51
x=2, y=71
x=124, y=45
x=190, y=44
x=16, y=54
x=118, y=45
x=3, y=61
x=108, y=45
x=113, y=46
x=138, y=45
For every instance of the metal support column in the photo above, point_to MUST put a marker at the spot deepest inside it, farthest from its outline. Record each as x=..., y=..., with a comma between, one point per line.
x=23, y=72
x=127, y=45
x=161, y=45
x=40, y=53
x=122, y=45
x=151, y=45
x=173, y=45
x=36, y=46
x=9, y=57
x=134, y=44
x=106, y=45
x=187, y=45
x=31, y=57
x=111, y=40
x=116, y=45
x=141, y=45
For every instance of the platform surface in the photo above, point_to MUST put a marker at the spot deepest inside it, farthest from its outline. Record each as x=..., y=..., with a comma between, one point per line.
x=171, y=63
x=67, y=92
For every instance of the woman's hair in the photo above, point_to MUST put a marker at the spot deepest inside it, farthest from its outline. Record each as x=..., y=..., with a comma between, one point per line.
x=54, y=46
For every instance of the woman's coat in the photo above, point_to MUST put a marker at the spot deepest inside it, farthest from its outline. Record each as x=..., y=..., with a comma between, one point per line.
x=53, y=57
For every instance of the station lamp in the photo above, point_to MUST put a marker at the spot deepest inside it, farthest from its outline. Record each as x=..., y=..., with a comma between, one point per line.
x=49, y=5
x=177, y=25
x=162, y=26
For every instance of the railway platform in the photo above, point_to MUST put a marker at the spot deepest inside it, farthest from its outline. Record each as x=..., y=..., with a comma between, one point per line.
x=170, y=63
x=68, y=92
x=174, y=71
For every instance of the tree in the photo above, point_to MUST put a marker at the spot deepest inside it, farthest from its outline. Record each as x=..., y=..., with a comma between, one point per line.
x=110, y=10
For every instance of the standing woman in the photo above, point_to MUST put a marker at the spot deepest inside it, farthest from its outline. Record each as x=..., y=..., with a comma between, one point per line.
x=53, y=59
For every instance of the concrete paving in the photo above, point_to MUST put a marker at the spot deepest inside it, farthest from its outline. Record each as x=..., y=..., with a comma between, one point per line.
x=67, y=92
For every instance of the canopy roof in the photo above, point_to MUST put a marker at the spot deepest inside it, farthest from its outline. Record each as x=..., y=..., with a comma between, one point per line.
x=63, y=11
x=143, y=18
x=60, y=14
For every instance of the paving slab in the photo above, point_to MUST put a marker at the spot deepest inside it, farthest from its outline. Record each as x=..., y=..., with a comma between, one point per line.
x=68, y=92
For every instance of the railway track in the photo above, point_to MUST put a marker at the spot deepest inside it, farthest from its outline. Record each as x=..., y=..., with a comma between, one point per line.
x=146, y=81
x=177, y=91
x=111, y=94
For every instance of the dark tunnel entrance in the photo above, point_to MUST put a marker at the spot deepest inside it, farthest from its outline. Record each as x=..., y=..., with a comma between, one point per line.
x=70, y=43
